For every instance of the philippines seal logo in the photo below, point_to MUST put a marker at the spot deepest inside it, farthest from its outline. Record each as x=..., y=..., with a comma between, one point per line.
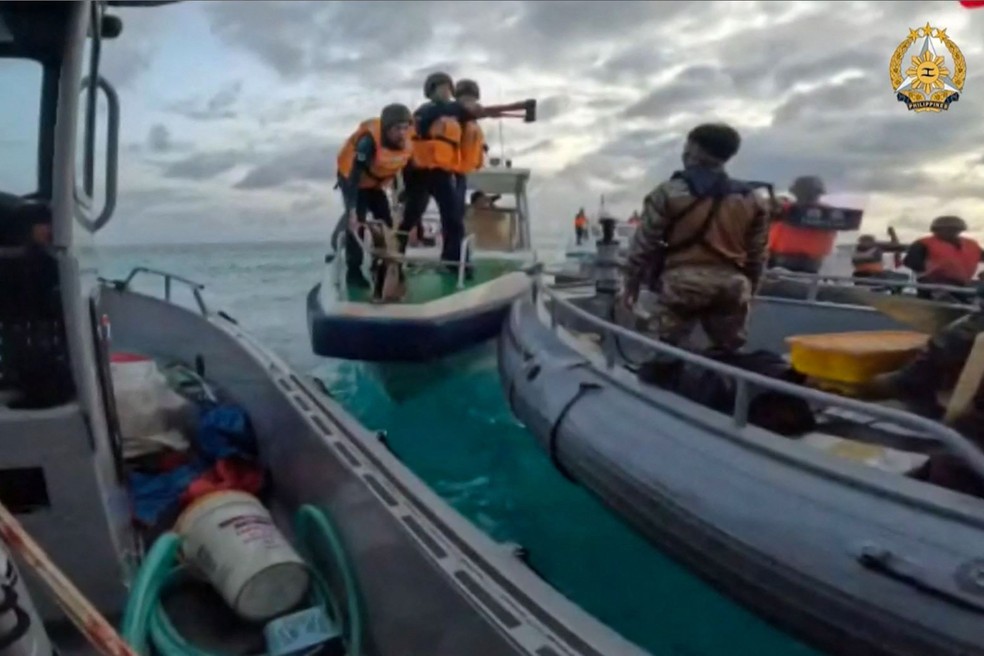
x=936, y=73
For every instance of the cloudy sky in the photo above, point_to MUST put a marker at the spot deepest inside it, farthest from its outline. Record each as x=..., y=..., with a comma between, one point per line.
x=233, y=112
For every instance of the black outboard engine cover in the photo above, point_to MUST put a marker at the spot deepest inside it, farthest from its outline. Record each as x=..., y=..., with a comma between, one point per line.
x=606, y=263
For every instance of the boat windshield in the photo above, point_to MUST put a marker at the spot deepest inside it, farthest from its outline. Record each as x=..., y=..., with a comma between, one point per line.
x=20, y=88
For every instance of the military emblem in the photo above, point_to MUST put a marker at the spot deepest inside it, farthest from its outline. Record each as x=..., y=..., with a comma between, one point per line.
x=927, y=70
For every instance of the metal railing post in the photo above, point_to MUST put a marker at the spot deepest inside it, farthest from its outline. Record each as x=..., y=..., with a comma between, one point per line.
x=954, y=442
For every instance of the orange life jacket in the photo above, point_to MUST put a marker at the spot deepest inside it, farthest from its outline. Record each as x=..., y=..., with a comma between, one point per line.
x=947, y=262
x=440, y=148
x=785, y=239
x=472, y=152
x=868, y=261
x=385, y=164
x=580, y=221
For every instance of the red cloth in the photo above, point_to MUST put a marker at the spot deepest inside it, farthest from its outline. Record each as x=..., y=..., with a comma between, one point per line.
x=121, y=356
x=227, y=474
x=972, y=4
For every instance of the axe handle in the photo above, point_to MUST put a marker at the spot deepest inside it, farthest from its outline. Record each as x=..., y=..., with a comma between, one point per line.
x=83, y=614
x=894, y=238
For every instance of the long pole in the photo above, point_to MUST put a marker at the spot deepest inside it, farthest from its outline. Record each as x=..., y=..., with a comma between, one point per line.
x=84, y=616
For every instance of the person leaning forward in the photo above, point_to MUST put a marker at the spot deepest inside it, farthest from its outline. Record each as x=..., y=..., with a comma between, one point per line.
x=433, y=170
x=367, y=164
x=701, y=245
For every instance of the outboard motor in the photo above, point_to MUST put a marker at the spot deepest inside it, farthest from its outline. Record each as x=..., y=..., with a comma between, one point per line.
x=21, y=630
x=606, y=263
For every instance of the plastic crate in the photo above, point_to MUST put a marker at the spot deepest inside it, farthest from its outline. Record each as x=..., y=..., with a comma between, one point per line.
x=855, y=357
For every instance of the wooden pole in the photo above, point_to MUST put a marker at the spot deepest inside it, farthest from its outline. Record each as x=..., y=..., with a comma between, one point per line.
x=89, y=621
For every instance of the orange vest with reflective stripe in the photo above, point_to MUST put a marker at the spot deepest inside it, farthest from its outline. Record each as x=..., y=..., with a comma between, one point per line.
x=785, y=239
x=386, y=162
x=472, y=152
x=945, y=261
x=440, y=148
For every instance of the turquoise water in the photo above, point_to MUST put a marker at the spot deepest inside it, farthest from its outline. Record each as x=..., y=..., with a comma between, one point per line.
x=458, y=435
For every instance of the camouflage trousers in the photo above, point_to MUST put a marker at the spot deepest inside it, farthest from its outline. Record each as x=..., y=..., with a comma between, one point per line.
x=715, y=297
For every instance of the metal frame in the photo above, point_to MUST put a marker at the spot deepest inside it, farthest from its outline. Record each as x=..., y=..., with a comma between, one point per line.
x=366, y=244
x=747, y=381
x=196, y=287
x=818, y=280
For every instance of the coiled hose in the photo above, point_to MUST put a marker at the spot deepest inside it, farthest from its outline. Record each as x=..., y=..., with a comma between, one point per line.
x=145, y=621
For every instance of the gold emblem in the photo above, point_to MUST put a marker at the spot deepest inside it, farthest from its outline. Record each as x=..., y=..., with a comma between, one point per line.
x=933, y=77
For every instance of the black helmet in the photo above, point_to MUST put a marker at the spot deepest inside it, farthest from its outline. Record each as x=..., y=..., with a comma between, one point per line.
x=393, y=114
x=948, y=223
x=808, y=184
x=435, y=80
x=467, y=88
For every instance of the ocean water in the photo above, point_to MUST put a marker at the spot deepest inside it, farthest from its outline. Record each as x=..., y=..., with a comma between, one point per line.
x=458, y=435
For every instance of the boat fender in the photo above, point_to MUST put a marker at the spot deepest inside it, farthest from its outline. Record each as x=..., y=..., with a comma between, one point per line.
x=583, y=388
x=21, y=630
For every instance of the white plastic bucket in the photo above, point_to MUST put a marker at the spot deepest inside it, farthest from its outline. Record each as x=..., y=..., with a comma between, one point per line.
x=231, y=540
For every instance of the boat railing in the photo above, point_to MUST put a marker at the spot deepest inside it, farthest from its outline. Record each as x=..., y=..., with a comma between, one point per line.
x=466, y=245
x=747, y=382
x=196, y=287
x=818, y=280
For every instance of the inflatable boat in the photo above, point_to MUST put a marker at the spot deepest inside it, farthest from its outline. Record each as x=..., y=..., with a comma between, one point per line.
x=446, y=307
x=408, y=574
x=824, y=533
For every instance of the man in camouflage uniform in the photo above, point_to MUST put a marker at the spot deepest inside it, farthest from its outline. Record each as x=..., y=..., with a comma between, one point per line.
x=701, y=245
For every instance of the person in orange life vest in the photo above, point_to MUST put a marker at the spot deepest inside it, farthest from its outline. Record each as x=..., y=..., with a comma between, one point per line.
x=944, y=257
x=367, y=164
x=580, y=226
x=432, y=172
x=868, y=255
x=800, y=249
x=473, y=146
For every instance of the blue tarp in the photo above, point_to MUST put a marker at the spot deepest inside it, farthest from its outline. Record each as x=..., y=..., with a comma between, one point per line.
x=223, y=431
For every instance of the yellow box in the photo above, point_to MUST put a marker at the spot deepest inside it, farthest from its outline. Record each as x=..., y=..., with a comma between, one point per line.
x=854, y=357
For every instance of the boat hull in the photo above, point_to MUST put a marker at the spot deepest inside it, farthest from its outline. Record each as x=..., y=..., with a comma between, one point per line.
x=430, y=583
x=777, y=527
x=403, y=333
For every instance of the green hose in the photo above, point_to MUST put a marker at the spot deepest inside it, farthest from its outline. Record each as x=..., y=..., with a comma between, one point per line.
x=145, y=620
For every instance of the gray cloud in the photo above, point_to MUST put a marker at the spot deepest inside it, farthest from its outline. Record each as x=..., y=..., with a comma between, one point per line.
x=159, y=139
x=291, y=37
x=127, y=57
x=220, y=105
x=543, y=144
x=699, y=84
x=552, y=106
x=203, y=166
x=309, y=163
x=599, y=71
x=127, y=65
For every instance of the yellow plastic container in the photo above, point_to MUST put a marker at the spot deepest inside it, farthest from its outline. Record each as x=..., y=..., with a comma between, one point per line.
x=854, y=357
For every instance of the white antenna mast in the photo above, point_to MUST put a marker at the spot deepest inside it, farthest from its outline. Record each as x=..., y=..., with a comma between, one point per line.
x=502, y=142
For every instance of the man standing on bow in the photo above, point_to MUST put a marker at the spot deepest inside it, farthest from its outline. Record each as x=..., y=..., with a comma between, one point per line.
x=701, y=245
